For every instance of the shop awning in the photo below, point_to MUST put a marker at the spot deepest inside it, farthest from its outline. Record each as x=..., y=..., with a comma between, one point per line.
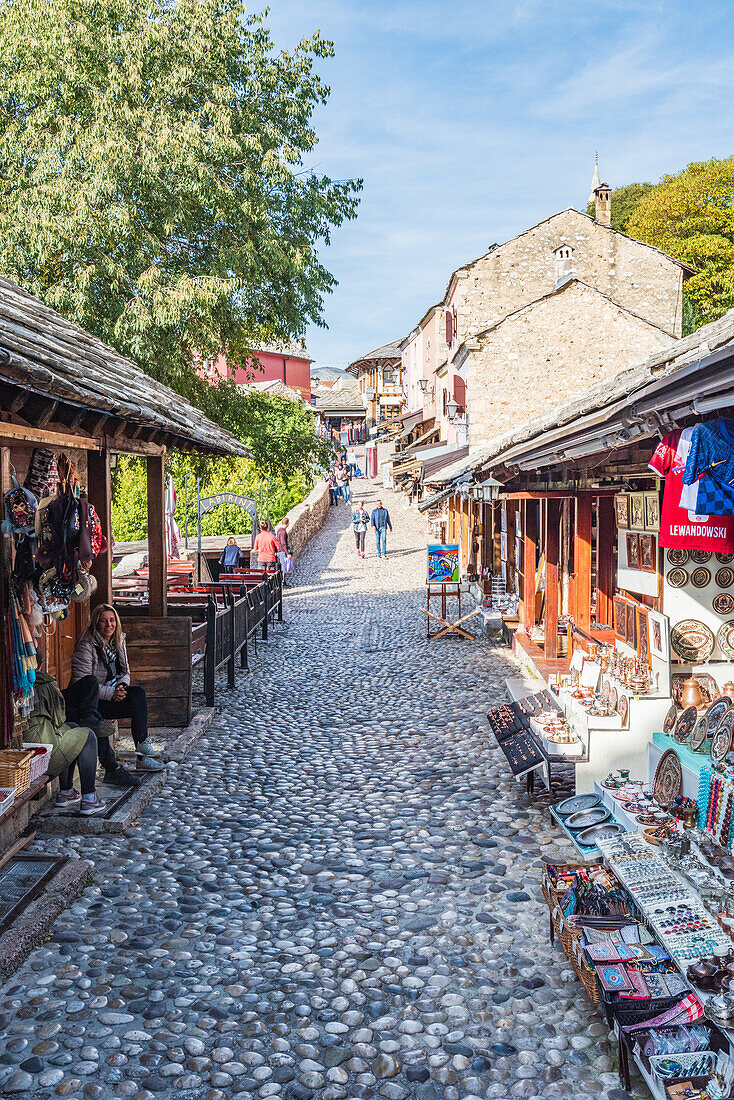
x=425, y=505
x=433, y=467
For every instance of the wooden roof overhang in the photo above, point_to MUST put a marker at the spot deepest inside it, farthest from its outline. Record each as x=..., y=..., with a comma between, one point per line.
x=61, y=386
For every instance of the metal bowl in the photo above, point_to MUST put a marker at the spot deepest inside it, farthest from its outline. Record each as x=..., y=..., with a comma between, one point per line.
x=586, y=818
x=599, y=832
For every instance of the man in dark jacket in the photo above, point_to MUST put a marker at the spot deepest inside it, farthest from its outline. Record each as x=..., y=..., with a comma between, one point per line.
x=381, y=521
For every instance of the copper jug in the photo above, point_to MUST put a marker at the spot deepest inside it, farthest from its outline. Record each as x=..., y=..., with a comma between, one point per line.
x=728, y=689
x=691, y=694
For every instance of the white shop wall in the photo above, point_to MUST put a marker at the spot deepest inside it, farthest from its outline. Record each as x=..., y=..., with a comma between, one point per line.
x=634, y=580
x=695, y=603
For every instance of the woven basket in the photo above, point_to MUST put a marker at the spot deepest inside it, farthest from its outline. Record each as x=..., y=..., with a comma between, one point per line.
x=41, y=757
x=15, y=769
x=570, y=941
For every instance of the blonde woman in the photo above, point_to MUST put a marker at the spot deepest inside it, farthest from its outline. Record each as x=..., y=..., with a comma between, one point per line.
x=101, y=654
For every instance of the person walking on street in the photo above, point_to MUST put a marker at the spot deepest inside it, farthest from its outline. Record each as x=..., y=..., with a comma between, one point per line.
x=340, y=474
x=360, y=519
x=284, y=554
x=347, y=477
x=266, y=548
x=333, y=490
x=231, y=558
x=381, y=522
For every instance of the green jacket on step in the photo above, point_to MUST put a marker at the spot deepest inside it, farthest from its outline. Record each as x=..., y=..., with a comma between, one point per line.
x=47, y=725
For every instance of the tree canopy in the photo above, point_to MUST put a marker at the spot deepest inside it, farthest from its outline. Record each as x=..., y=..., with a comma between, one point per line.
x=690, y=215
x=153, y=178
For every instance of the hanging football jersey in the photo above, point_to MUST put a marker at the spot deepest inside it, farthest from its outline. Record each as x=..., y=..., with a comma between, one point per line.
x=682, y=525
x=710, y=464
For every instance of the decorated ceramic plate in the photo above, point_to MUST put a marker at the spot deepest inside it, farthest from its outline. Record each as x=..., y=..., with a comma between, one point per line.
x=700, y=556
x=709, y=687
x=725, y=638
x=700, y=577
x=652, y=819
x=721, y=742
x=677, y=577
x=576, y=804
x=699, y=734
x=600, y=832
x=670, y=719
x=668, y=781
x=613, y=697
x=586, y=818
x=716, y=712
x=623, y=708
x=685, y=724
x=677, y=557
x=724, y=558
x=692, y=641
x=724, y=577
x=723, y=603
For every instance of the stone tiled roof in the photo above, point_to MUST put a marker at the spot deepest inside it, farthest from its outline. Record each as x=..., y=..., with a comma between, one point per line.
x=387, y=351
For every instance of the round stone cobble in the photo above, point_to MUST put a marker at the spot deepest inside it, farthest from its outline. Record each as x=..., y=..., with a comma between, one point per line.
x=338, y=895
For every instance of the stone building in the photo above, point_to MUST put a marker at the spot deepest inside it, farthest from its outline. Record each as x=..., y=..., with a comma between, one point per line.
x=379, y=377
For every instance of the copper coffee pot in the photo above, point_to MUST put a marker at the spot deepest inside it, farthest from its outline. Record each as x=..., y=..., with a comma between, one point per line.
x=691, y=694
x=728, y=689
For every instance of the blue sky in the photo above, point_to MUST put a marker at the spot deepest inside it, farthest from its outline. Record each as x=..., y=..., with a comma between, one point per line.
x=470, y=122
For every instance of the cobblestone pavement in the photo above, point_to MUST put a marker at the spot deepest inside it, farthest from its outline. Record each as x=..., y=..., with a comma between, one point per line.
x=336, y=896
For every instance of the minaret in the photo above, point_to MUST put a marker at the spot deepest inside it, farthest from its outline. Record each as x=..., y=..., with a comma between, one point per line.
x=596, y=180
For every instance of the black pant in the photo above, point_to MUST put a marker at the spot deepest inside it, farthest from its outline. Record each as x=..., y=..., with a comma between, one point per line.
x=359, y=539
x=82, y=707
x=86, y=762
x=134, y=706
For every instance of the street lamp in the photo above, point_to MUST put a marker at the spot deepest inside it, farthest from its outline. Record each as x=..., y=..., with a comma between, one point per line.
x=424, y=387
x=452, y=409
x=486, y=491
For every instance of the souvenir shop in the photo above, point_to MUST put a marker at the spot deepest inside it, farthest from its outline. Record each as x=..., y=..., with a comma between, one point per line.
x=67, y=404
x=638, y=707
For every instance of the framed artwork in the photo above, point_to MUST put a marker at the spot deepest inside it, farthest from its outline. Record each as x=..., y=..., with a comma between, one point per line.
x=637, y=511
x=658, y=634
x=648, y=556
x=631, y=625
x=620, y=617
x=622, y=509
x=633, y=551
x=643, y=635
x=443, y=563
x=652, y=511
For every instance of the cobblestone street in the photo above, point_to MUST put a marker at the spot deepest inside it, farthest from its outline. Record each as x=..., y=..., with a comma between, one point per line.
x=337, y=895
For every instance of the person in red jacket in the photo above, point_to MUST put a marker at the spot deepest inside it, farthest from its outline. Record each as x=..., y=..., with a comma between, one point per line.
x=266, y=547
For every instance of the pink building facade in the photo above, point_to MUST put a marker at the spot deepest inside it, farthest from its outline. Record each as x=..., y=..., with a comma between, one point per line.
x=291, y=365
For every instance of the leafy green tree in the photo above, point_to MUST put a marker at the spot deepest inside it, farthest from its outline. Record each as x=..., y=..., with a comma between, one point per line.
x=153, y=179
x=690, y=215
x=624, y=203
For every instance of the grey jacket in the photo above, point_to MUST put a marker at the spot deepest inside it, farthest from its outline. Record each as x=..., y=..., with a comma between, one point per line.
x=88, y=660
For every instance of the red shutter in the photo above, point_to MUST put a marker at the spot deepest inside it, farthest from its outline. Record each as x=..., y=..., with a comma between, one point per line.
x=449, y=327
x=460, y=392
x=445, y=401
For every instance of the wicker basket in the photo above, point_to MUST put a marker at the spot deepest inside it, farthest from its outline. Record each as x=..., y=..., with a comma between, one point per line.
x=570, y=941
x=15, y=769
x=41, y=758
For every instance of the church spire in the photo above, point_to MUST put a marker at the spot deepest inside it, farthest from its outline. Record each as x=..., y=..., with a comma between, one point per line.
x=595, y=179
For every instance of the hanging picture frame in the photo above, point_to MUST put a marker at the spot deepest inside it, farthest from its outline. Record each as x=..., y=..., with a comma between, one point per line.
x=652, y=512
x=631, y=625
x=637, y=511
x=620, y=617
x=633, y=551
x=658, y=629
x=648, y=553
x=643, y=635
x=622, y=509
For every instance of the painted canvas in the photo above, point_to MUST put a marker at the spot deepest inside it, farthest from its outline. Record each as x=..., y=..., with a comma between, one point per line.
x=443, y=564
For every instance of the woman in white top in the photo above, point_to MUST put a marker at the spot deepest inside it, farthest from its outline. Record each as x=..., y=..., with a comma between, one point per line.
x=360, y=522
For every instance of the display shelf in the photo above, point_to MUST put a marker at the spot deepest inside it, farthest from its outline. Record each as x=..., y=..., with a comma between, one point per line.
x=618, y=811
x=555, y=749
x=588, y=852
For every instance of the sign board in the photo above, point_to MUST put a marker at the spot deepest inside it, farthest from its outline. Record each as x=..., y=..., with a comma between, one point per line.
x=443, y=563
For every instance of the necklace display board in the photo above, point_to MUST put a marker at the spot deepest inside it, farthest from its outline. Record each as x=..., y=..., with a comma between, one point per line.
x=510, y=724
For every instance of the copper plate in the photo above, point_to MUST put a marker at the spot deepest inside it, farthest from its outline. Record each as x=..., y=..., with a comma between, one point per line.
x=670, y=719
x=725, y=638
x=723, y=603
x=692, y=641
x=685, y=724
x=677, y=557
x=725, y=577
x=700, y=556
x=721, y=742
x=700, y=577
x=677, y=577
x=716, y=712
x=724, y=558
x=623, y=708
x=699, y=734
x=668, y=781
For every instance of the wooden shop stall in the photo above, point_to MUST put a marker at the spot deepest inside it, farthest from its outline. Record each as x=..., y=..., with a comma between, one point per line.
x=617, y=623
x=68, y=404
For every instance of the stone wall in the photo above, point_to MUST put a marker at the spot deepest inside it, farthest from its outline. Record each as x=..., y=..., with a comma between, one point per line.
x=548, y=353
x=307, y=518
x=639, y=278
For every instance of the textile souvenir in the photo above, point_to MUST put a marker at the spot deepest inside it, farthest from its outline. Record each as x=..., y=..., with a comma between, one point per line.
x=20, y=511
x=614, y=978
x=42, y=476
x=710, y=464
x=681, y=525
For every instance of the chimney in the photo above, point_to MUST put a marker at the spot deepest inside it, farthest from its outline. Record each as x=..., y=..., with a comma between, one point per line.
x=603, y=204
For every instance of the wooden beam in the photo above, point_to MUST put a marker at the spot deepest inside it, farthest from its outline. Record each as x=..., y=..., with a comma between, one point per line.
x=529, y=562
x=47, y=415
x=554, y=494
x=99, y=491
x=20, y=433
x=552, y=547
x=157, y=590
x=133, y=446
x=582, y=561
x=606, y=536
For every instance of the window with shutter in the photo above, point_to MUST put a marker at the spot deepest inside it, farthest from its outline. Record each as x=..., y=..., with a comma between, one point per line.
x=460, y=392
x=449, y=327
